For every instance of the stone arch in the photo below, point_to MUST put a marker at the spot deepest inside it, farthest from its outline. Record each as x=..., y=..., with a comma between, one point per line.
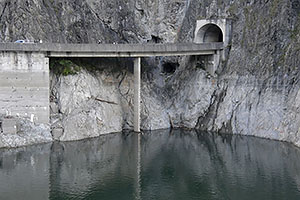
x=209, y=33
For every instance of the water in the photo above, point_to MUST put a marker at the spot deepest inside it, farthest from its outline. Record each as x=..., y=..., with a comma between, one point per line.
x=158, y=165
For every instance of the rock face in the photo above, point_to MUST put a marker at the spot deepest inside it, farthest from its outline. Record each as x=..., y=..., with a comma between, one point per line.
x=88, y=106
x=100, y=101
x=255, y=92
x=90, y=21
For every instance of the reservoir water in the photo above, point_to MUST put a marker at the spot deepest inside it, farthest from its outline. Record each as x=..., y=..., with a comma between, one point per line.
x=177, y=164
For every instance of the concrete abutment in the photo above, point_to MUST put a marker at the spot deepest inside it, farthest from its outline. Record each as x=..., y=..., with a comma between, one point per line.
x=213, y=30
x=24, y=85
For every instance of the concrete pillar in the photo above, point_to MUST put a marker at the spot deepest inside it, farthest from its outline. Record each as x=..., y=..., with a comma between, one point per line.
x=214, y=63
x=137, y=94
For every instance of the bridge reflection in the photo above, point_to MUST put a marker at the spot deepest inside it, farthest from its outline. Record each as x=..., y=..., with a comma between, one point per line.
x=154, y=165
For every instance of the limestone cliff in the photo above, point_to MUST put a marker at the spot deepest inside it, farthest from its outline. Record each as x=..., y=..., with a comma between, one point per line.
x=255, y=92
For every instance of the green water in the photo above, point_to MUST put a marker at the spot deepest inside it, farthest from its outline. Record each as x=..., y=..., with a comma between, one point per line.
x=164, y=164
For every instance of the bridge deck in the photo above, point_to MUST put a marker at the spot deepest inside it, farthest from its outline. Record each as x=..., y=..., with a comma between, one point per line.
x=114, y=50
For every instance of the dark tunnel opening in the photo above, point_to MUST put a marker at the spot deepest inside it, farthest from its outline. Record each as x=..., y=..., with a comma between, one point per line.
x=169, y=67
x=210, y=33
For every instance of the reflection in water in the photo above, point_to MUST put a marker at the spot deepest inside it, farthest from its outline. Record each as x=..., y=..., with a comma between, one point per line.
x=24, y=173
x=156, y=165
x=139, y=167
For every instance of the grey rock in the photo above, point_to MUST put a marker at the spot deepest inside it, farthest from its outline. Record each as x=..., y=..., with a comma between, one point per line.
x=90, y=105
x=53, y=107
x=27, y=133
x=57, y=133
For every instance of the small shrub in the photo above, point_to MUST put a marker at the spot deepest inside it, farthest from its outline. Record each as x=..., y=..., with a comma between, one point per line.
x=64, y=67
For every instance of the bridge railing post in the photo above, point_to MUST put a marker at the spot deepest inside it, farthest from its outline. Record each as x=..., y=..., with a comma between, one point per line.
x=137, y=94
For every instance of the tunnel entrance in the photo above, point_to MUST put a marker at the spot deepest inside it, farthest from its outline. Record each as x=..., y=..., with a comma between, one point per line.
x=169, y=67
x=213, y=30
x=209, y=33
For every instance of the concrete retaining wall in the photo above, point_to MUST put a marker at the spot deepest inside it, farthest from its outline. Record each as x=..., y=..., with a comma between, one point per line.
x=24, y=85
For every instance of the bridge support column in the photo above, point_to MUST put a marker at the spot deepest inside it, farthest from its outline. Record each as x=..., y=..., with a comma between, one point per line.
x=137, y=94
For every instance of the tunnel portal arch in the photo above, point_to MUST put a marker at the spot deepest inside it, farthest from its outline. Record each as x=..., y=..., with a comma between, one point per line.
x=212, y=30
x=210, y=33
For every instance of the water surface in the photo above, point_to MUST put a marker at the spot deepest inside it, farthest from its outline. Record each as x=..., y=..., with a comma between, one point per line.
x=164, y=164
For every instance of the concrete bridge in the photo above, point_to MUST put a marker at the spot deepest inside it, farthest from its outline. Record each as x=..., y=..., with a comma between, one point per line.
x=24, y=71
x=114, y=50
